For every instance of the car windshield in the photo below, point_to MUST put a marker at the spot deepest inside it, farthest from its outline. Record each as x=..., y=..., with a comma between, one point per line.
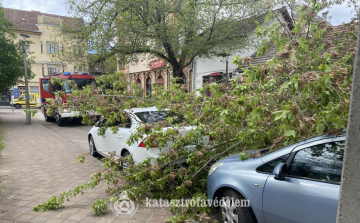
x=156, y=116
x=81, y=83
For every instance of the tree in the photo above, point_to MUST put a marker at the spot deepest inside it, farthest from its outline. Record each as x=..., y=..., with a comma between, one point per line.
x=11, y=56
x=108, y=66
x=303, y=91
x=176, y=31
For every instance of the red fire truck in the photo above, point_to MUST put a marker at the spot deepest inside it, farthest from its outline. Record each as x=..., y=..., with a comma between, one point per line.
x=48, y=92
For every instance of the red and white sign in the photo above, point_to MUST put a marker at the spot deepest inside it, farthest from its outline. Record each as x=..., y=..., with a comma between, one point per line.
x=156, y=63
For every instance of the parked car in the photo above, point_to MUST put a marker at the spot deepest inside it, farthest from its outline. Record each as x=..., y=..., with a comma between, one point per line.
x=299, y=183
x=110, y=142
x=35, y=101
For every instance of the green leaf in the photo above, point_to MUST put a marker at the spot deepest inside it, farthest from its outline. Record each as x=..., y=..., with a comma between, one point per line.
x=290, y=133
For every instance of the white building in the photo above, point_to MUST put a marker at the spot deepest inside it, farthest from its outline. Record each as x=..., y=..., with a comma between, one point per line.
x=214, y=69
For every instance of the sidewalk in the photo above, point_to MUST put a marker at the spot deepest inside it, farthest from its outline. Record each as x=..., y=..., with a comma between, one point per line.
x=35, y=167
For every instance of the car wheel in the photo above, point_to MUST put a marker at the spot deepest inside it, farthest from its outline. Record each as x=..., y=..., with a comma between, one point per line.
x=17, y=106
x=60, y=121
x=231, y=212
x=92, y=147
x=125, y=165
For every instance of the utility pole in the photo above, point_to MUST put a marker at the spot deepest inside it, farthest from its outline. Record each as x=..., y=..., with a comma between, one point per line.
x=227, y=71
x=28, y=115
x=349, y=202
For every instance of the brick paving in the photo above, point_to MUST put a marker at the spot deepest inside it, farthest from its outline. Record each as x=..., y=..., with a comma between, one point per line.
x=37, y=164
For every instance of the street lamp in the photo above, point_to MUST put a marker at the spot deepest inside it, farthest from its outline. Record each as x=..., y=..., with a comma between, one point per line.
x=25, y=45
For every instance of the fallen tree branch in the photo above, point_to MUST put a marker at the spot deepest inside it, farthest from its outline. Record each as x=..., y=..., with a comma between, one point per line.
x=219, y=154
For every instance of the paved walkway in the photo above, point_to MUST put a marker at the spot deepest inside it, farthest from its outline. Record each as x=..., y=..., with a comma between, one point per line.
x=37, y=164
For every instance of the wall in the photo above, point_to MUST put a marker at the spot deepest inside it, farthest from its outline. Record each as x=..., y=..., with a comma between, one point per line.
x=206, y=66
x=47, y=34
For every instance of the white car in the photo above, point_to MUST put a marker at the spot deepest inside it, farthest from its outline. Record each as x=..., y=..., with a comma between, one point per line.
x=110, y=142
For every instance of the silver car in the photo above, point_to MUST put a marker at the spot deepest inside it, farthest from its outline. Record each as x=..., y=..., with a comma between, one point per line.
x=299, y=183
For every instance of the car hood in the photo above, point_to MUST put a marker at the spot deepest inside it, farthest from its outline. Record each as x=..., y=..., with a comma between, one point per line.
x=236, y=157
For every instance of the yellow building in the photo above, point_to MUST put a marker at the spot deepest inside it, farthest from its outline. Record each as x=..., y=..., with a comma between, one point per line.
x=41, y=28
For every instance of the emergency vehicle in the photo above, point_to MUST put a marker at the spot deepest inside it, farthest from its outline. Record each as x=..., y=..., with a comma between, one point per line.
x=48, y=92
x=20, y=102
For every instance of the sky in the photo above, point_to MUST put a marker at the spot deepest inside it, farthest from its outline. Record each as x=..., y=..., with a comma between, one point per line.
x=57, y=7
x=339, y=13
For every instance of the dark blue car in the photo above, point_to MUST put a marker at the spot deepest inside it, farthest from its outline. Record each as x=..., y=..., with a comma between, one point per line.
x=299, y=183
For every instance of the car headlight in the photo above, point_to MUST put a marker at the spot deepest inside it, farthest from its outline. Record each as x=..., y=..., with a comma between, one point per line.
x=215, y=167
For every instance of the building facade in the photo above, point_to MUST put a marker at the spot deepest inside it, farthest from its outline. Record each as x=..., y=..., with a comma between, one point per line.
x=210, y=70
x=41, y=28
x=145, y=72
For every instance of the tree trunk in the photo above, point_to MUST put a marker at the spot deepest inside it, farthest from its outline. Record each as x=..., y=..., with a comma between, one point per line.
x=349, y=200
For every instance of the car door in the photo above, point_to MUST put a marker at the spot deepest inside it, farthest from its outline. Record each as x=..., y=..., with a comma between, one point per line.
x=310, y=192
x=115, y=141
x=32, y=100
x=100, y=140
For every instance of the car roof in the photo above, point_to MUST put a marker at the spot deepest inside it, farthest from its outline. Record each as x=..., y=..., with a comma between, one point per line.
x=135, y=110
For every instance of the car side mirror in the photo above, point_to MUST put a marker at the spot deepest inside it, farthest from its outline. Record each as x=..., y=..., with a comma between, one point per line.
x=280, y=171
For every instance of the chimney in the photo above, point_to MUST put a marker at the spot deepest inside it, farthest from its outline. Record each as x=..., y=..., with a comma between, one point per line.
x=324, y=15
x=330, y=17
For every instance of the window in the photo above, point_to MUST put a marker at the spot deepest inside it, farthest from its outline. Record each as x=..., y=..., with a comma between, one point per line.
x=34, y=89
x=43, y=70
x=148, y=85
x=46, y=85
x=124, y=123
x=321, y=162
x=53, y=69
x=75, y=69
x=157, y=116
x=269, y=166
x=121, y=64
x=42, y=47
x=80, y=83
x=52, y=47
x=160, y=80
x=23, y=98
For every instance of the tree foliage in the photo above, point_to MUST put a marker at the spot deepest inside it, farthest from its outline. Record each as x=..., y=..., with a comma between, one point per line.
x=176, y=31
x=11, y=55
x=303, y=91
